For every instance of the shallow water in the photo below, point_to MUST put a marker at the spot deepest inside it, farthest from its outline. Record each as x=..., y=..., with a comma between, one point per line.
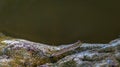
x=58, y=22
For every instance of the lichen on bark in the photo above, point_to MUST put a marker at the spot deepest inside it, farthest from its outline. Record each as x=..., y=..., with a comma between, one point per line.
x=16, y=52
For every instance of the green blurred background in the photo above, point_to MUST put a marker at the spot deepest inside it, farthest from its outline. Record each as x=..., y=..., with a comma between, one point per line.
x=61, y=21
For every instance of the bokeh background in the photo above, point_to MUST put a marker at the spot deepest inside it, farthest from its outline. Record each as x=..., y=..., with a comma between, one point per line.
x=61, y=21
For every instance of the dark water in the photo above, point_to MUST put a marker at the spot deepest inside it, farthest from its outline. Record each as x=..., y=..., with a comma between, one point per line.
x=60, y=21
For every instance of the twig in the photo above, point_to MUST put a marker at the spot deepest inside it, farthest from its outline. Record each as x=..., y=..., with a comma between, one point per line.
x=64, y=50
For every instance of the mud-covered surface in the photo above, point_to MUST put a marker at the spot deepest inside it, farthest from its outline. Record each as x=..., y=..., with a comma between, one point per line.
x=16, y=52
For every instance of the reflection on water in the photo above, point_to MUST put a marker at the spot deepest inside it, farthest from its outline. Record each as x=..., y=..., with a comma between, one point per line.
x=56, y=22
